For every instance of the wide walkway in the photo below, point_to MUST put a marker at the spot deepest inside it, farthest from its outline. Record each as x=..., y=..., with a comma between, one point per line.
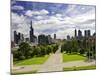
x=53, y=63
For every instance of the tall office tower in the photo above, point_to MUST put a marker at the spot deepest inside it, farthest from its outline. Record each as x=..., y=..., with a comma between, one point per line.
x=79, y=34
x=89, y=33
x=75, y=33
x=22, y=38
x=19, y=36
x=15, y=37
x=85, y=33
x=54, y=36
x=49, y=40
x=42, y=39
x=31, y=32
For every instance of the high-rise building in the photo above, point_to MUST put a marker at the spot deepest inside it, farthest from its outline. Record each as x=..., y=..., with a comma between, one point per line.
x=54, y=36
x=42, y=39
x=33, y=38
x=15, y=37
x=87, y=33
x=31, y=32
x=49, y=39
x=75, y=33
x=19, y=37
x=22, y=37
x=79, y=34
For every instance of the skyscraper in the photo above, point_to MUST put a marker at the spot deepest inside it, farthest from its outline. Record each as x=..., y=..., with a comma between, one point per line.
x=19, y=36
x=79, y=34
x=54, y=36
x=87, y=33
x=15, y=36
x=75, y=33
x=31, y=32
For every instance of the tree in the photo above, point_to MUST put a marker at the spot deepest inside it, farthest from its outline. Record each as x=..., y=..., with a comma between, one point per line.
x=82, y=51
x=74, y=46
x=49, y=49
x=24, y=50
x=43, y=50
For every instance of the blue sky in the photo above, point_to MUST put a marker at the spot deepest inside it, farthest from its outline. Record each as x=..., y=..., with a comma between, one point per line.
x=51, y=18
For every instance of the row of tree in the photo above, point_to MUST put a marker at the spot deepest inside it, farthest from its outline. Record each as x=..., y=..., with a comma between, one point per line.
x=25, y=51
x=79, y=46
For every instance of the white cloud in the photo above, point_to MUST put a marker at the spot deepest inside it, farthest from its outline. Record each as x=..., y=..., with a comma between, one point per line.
x=15, y=7
x=66, y=25
x=62, y=24
x=30, y=13
x=19, y=23
x=63, y=33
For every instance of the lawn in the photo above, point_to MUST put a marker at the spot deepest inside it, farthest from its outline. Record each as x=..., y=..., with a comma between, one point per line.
x=32, y=61
x=20, y=73
x=72, y=57
x=80, y=68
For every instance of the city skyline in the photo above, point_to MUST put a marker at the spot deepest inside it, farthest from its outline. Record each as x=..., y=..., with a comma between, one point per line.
x=51, y=18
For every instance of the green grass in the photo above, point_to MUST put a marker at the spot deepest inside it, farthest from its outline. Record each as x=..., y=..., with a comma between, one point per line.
x=80, y=68
x=72, y=57
x=20, y=73
x=31, y=61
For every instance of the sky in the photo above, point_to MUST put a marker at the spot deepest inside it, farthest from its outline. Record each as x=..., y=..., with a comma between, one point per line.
x=51, y=18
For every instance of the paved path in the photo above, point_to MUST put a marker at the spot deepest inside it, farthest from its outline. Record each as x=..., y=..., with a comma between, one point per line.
x=53, y=63
x=25, y=68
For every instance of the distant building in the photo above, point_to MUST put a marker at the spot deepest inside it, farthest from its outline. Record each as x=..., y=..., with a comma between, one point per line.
x=54, y=36
x=49, y=39
x=27, y=40
x=31, y=32
x=12, y=44
x=75, y=33
x=43, y=39
x=94, y=34
x=15, y=36
x=33, y=38
x=22, y=38
x=87, y=33
x=79, y=34
x=68, y=37
x=18, y=37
